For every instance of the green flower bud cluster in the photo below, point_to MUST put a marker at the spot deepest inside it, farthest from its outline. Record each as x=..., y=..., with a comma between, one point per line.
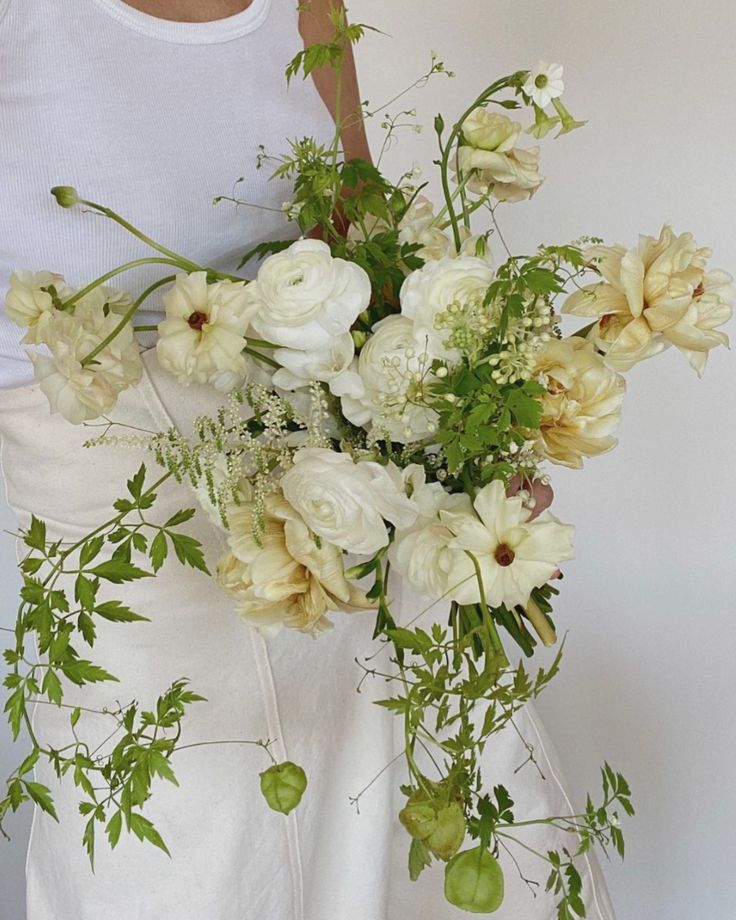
x=438, y=822
x=283, y=786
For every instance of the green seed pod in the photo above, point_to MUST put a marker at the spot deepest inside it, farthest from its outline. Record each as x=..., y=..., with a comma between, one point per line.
x=419, y=818
x=283, y=786
x=447, y=837
x=474, y=881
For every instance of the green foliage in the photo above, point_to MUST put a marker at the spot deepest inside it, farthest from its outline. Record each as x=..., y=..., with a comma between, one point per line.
x=62, y=601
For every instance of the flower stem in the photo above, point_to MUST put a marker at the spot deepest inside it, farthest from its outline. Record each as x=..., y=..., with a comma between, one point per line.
x=126, y=318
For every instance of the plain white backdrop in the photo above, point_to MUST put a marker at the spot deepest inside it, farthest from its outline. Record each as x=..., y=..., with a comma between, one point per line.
x=649, y=602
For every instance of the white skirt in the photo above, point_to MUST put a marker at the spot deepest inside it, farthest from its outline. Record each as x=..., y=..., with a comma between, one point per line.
x=231, y=857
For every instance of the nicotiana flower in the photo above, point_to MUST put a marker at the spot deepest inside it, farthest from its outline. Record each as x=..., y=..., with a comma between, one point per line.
x=303, y=297
x=652, y=296
x=83, y=392
x=515, y=554
x=285, y=577
x=444, y=300
x=30, y=301
x=581, y=407
x=490, y=162
x=203, y=336
x=396, y=373
x=544, y=83
x=347, y=503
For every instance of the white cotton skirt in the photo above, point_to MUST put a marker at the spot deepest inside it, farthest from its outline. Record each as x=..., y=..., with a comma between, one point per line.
x=231, y=857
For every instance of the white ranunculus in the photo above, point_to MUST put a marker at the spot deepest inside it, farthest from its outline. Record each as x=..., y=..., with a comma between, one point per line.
x=81, y=393
x=303, y=297
x=545, y=83
x=444, y=298
x=29, y=302
x=284, y=577
x=331, y=364
x=581, y=407
x=347, y=503
x=204, y=333
x=395, y=371
x=514, y=553
x=422, y=553
x=652, y=296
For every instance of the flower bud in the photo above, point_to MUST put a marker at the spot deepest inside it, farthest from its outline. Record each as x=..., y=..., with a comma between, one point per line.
x=65, y=195
x=283, y=786
x=474, y=881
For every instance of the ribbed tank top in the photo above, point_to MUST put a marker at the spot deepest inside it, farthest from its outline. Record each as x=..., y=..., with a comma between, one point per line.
x=152, y=118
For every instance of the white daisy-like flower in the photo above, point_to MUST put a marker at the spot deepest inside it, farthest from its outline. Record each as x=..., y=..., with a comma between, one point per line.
x=203, y=336
x=544, y=83
x=515, y=554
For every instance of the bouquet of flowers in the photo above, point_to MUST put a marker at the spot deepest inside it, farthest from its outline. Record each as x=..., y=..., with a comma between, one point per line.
x=396, y=381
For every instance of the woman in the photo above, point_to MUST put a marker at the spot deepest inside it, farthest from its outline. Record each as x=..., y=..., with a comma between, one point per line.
x=153, y=107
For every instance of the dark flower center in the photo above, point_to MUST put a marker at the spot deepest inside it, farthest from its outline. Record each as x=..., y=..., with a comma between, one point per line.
x=197, y=320
x=504, y=555
x=699, y=290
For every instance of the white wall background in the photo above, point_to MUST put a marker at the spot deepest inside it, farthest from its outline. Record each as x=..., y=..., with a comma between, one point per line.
x=648, y=676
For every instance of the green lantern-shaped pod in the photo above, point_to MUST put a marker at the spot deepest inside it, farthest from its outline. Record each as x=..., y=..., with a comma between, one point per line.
x=439, y=823
x=283, y=786
x=474, y=881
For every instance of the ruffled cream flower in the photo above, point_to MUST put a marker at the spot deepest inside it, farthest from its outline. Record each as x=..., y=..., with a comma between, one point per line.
x=652, y=296
x=303, y=297
x=490, y=161
x=544, y=83
x=512, y=176
x=444, y=300
x=582, y=405
x=84, y=392
x=395, y=371
x=285, y=577
x=30, y=301
x=515, y=554
x=347, y=503
x=203, y=336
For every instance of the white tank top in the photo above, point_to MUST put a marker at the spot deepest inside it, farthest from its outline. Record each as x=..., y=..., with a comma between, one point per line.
x=151, y=118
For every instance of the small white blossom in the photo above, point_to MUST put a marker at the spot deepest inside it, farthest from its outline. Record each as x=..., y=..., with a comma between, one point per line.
x=544, y=83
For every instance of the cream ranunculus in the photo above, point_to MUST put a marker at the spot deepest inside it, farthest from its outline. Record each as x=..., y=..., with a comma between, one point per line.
x=284, y=578
x=515, y=554
x=444, y=300
x=490, y=161
x=582, y=405
x=423, y=553
x=303, y=297
x=486, y=130
x=30, y=301
x=396, y=373
x=512, y=176
x=347, y=503
x=204, y=333
x=84, y=392
x=650, y=298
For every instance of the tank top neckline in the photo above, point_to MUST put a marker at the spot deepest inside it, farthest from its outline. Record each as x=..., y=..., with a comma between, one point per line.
x=188, y=33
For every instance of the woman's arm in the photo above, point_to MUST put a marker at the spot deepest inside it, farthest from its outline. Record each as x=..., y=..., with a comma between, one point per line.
x=316, y=27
